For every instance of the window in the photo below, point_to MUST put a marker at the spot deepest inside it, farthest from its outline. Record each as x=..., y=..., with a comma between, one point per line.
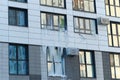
x=24, y=1
x=55, y=61
x=115, y=65
x=53, y=21
x=18, y=17
x=87, y=66
x=54, y=3
x=18, y=59
x=84, y=25
x=114, y=34
x=84, y=5
x=112, y=7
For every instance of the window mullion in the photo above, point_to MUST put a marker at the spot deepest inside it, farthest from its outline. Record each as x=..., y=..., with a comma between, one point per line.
x=111, y=34
x=85, y=63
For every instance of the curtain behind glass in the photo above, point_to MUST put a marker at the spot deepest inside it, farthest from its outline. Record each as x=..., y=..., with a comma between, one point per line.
x=21, y=52
x=21, y=18
x=12, y=17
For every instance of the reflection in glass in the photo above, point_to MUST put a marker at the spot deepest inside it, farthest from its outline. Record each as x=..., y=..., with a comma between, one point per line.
x=12, y=52
x=81, y=57
x=58, y=68
x=117, y=61
x=112, y=72
x=114, y=29
x=22, y=67
x=21, y=52
x=112, y=10
x=13, y=67
x=82, y=71
x=50, y=68
x=88, y=58
x=90, y=71
x=49, y=2
x=111, y=60
x=115, y=41
x=118, y=72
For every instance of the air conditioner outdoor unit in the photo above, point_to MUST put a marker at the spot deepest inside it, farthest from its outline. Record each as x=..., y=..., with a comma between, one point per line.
x=72, y=51
x=104, y=21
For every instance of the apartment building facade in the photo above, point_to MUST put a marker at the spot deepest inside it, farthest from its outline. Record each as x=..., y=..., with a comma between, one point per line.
x=59, y=40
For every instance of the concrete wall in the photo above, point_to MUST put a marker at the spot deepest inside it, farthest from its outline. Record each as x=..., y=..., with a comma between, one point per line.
x=33, y=34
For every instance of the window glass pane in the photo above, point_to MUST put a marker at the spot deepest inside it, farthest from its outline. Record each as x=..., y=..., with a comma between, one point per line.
x=109, y=30
x=81, y=57
x=13, y=67
x=57, y=56
x=61, y=3
x=76, y=25
x=49, y=56
x=43, y=18
x=92, y=6
x=115, y=40
x=50, y=68
x=58, y=68
x=111, y=2
x=86, y=5
x=62, y=21
x=87, y=24
x=112, y=72
x=119, y=40
x=117, y=3
x=118, y=72
x=117, y=63
x=12, y=52
x=110, y=40
x=118, y=11
x=21, y=0
x=22, y=67
x=49, y=21
x=55, y=20
x=92, y=25
x=112, y=10
x=111, y=60
x=22, y=53
x=43, y=1
x=118, y=29
x=88, y=58
x=90, y=72
x=107, y=10
x=21, y=18
x=82, y=71
x=12, y=17
x=75, y=5
x=49, y=2
x=114, y=29
x=106, y=1
x=81, y=22
x=55, y=2
x=80, y=4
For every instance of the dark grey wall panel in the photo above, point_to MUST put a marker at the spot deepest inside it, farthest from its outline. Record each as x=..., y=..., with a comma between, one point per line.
x=106, y=66
x=13, y=77
x=72, y=67
x=55, y=78
x=34, y=60
x=35, y=77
